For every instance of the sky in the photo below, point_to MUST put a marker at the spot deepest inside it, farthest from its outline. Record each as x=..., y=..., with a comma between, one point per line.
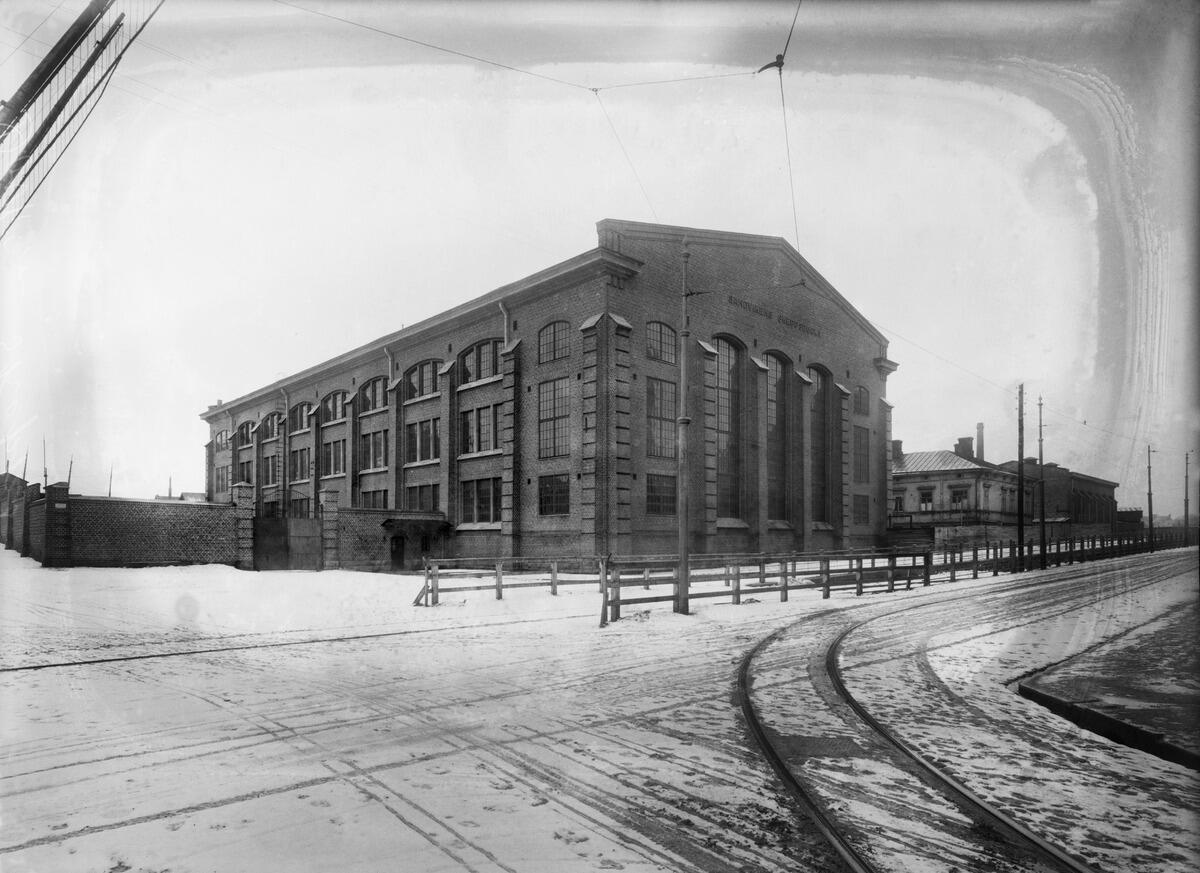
x=1007, y=191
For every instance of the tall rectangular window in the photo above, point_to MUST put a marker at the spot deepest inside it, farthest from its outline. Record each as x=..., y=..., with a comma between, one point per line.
x=298, y=468
x=554, y=494
x=477, y=430
x=661, y=410
x=333, y=458
x=422, y=498
x=959, y=499
x=777, y=436
x=374, y=499
x=221, y=479
x=660, y=494
x=554, y=429
x=373, y=450
x=862, y=454
x=245, y=471
x=660, y=342
x=480, y=500
x=925, y=500
x=269, y=470
x=729, y=429
x=422, y=441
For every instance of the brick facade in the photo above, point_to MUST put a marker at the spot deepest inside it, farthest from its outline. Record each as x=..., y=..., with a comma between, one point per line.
x=573, y=475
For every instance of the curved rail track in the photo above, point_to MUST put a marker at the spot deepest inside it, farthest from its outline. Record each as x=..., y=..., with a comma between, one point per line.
x=1028, y=844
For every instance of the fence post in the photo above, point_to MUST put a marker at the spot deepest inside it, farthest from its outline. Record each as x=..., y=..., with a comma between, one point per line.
x=762, y=571
x=737, y=586
x=928, y=569
x=951, y=555
x=553, y=578
x=499, y=580
x=783, y=581
x=891, y=574
x=603, y=596
x=603, y=573
x=975, y=562
x=433, y=585
x=858, y=573
x=824, y=578
x=614, y=594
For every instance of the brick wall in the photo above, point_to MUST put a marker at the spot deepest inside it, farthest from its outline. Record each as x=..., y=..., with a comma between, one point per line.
x=37, y=531
x=117, y=532
x=363, y=544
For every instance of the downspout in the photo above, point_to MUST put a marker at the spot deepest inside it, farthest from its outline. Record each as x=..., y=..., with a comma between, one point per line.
x=391, y=359
x=504, y=312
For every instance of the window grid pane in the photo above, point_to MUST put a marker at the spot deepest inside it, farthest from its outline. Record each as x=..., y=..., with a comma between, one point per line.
x=553, y=419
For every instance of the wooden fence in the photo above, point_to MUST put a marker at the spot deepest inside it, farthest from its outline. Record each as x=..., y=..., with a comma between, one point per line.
x=632, y=580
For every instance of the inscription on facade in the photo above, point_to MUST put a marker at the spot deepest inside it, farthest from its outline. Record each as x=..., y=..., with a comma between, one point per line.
x=771, y=314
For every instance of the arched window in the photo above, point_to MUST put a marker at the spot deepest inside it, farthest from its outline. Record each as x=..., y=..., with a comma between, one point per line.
x=244, y=435
x=421, y=379
x=778, y=368
x=220, y=441
x=660, y=342
x=298, y=417
x=268, y=428
x=554, y=342
x=825, y=425
x=372, y=395
x=333, y=407
x=730, y=407
x=480, y=361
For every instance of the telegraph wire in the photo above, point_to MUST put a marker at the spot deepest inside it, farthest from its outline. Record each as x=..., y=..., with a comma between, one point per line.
x=787, y=142
x=628, y=160
x=9, y=56
x=429, y=45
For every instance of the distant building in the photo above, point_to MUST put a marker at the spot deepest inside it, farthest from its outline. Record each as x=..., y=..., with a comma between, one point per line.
x=1076, y=504
x=961, y=497
x=540, y=418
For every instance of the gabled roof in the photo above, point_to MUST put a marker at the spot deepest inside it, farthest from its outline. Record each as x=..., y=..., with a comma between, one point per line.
x=934, y=462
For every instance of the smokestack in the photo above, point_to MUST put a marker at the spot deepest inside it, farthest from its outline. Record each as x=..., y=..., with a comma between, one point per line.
x=965, y=448
x=979, y=441
x=897, y=449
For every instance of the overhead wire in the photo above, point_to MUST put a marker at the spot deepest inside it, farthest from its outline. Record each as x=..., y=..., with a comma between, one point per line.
x=18, y=47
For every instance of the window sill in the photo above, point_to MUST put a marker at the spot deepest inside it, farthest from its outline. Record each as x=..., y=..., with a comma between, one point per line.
x=490, y=453
x=732, y=523
x=298, y=482
x=487, y=380
x=779, y=524
x=333, y=476
x=479, y=525
x=372, y=470
x=430, y=463
x=822, y=525
x=326, y=424
x=370, y=412
x=301, y=432
x=269, y=487
x=412, y=401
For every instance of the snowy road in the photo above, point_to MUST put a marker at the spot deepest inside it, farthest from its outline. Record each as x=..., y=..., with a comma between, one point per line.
x=202, y=719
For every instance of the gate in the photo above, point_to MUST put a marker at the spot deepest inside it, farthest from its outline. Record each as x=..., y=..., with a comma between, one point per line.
x=288, y=542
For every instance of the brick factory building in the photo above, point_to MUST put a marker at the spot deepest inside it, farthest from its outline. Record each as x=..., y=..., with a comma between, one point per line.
x=540, y=418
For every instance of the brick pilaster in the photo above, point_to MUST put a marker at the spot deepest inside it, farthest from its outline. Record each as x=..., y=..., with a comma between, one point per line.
x=330, y=559
x=31, y=493
x=620, y=522
x=510, y=485
x=243, y=520
x=594, y=493
x=57, y=551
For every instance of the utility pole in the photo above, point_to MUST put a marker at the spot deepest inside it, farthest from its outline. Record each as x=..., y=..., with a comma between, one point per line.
x=1041, y=488
x=1149, y=497
x=681, y=443
x=1021, y=477
x=1187, y=531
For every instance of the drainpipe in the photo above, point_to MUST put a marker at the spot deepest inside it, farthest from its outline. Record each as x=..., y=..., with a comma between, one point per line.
x=504, y=312
x=391, y=359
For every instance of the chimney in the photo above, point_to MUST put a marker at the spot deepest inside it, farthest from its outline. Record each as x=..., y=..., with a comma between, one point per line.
x=897, y=449
x=979, y=440
x=965, y=448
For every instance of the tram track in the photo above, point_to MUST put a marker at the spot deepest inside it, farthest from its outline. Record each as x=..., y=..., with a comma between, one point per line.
x=1030, y=849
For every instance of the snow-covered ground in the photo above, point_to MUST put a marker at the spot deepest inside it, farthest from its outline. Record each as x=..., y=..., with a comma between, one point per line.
x=202, y=718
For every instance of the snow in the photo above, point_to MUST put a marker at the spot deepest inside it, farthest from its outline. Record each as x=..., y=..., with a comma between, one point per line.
x=204, y=718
